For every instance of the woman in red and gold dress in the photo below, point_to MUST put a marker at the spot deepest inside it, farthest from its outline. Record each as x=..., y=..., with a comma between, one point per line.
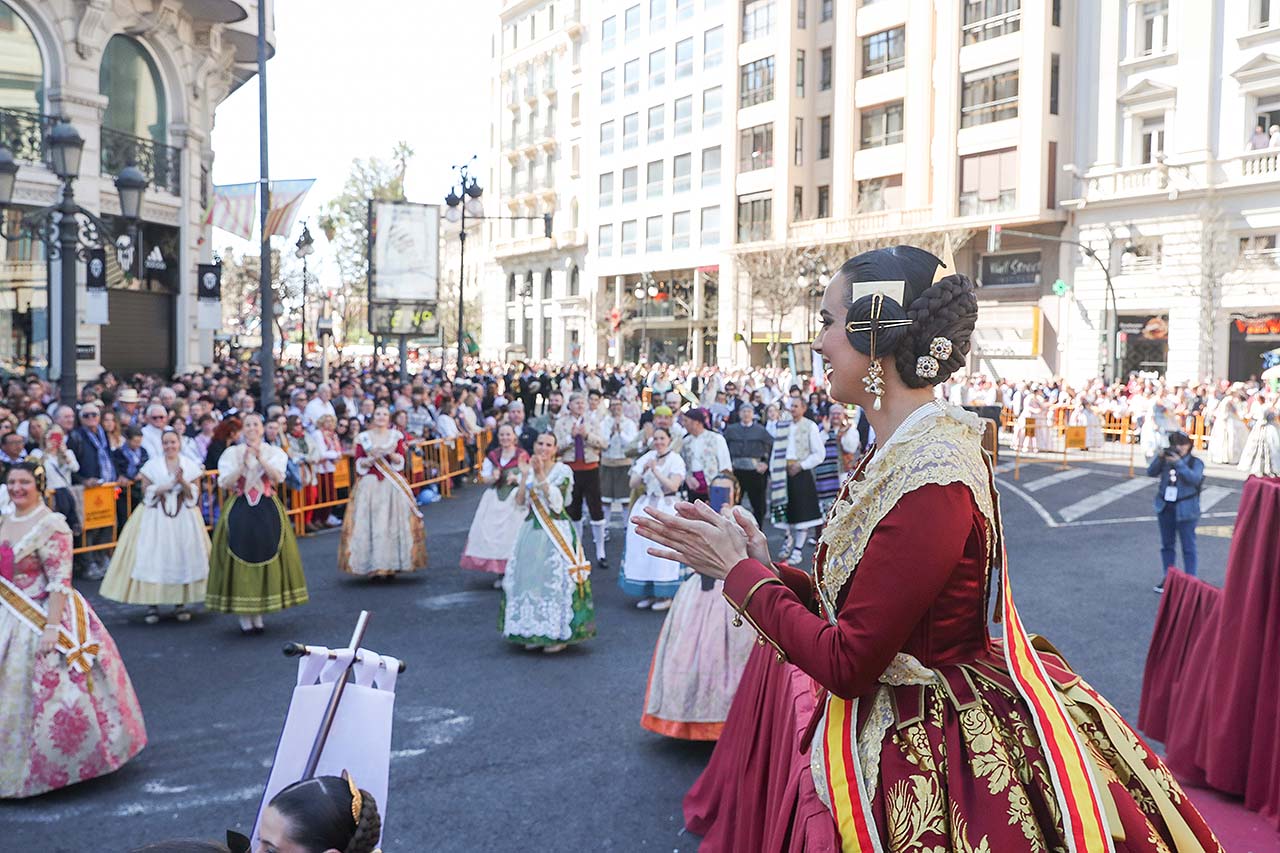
x=927, y=734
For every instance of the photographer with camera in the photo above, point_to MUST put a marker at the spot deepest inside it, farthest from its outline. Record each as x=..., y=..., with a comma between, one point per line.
x=1177, y=501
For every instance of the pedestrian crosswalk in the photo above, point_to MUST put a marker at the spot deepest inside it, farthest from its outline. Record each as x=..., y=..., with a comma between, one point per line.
x=1088, y=496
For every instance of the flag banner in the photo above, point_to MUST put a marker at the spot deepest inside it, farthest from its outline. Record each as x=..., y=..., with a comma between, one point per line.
x=232, y=208
x=286, y=199
x=360, y=740
x=95, y=283
x=209, y=296
x=406, y=252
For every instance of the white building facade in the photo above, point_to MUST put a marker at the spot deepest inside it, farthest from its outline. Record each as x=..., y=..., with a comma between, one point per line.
x=140, y=82
x=1174, y=191
x=537, y=302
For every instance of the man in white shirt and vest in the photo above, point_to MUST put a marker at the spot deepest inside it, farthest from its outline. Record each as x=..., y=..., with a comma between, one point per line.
x=805, y=451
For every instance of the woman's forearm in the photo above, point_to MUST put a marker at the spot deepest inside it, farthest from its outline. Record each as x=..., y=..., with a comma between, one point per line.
x=53, y=612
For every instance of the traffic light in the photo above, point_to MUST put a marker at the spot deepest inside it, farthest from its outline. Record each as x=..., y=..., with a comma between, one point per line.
x=1061, y=288
x=993, y=239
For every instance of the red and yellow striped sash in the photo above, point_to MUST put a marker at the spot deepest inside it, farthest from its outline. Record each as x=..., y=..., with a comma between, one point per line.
x=579, y=568
x=74, y=642
x=401, y=484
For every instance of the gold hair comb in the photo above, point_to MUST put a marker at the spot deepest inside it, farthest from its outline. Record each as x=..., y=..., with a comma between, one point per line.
x=357, y=801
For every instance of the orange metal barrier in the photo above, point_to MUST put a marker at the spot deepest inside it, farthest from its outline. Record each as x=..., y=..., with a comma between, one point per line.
x=437, y=462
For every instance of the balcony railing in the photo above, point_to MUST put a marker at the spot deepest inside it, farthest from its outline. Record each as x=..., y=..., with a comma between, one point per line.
x=1256, y=165
x=23, y=132
x=874, y=222
x=162, y=164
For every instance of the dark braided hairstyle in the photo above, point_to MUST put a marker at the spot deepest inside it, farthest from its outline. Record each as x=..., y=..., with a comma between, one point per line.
x=947, y=309
x=319, y=814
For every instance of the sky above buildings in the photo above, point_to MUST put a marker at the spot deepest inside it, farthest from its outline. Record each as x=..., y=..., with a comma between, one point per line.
x=350, y=80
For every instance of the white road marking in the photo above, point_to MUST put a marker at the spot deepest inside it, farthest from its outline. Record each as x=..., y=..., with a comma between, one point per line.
x=1055, y=479
x=1212, y=496
x=1035, y=504
x=457, y=599
x=1005, y=466
x=407, y=753
x=1135, y=519
x=1098, y=500
x=161, y=788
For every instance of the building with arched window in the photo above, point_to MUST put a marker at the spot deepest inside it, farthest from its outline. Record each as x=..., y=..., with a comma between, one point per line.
x=140, y=87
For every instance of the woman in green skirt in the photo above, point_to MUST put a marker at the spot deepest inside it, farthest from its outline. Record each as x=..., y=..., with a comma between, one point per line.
x=254, y=567
x=546, y=592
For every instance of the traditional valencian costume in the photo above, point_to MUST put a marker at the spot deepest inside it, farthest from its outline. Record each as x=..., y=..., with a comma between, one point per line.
x=382, y=532
x=492, y=537
x=163, y=553
x=930, y=735
x=546, y=592
x=67, y=716
x=254, y=565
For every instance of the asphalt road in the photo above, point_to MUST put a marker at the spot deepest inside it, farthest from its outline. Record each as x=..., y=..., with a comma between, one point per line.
x=496, y=749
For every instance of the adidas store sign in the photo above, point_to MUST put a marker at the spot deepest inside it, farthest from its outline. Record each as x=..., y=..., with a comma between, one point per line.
x=155, y=260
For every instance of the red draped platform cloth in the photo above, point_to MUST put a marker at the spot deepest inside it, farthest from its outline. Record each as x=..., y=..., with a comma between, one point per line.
x=757, y=769
x=1211, y=690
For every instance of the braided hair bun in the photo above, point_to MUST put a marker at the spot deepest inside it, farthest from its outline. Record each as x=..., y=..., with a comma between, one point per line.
x=368, y=827
x=319, y=812
x=945, y=309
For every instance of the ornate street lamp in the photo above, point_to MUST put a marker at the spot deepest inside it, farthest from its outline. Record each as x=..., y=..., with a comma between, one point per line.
x=305, y=248
x=68, y=232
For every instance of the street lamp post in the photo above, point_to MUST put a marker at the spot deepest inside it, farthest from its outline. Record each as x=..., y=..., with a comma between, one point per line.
x=466, y=200
x=644, y=294
x=68, y=231
x=305, y=248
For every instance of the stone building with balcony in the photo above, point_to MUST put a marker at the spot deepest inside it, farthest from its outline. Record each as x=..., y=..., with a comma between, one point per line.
x=1174, y=189
x=140, y=83
x=538, y=303
x=888, y=120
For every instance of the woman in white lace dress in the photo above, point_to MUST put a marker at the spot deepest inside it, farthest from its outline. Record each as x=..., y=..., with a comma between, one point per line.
x=163, y=553
x=382, y=533
x=1228, y=434
x=546, y=592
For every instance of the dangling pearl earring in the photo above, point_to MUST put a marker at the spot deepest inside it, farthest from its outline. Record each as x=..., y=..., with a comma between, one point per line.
x=873, y=382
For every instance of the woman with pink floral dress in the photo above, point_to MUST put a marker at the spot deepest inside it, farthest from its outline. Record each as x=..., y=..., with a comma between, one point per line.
x=67, y=709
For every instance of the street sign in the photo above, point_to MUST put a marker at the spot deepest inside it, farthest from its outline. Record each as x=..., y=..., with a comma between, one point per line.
x=1060, y=288
x=1075, y=437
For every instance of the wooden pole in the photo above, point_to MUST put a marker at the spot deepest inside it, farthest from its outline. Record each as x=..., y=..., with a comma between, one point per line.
x=330, y=712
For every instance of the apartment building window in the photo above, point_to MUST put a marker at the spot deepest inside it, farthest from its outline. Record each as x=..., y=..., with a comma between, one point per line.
x=681, y=173
x=575, y=282
x=756, y=82
x=514, y=184
x=797, y=203
x=629, y=237
x=711, y=167
x=827, y=10
x=575, y=107
x=684, y=115
x=824, y=137
x=606, y=189
x=711, y=99
x=630, y=176
x=755, y=217
x=546, y=336
x=757, y=19
x=799, y=73
x=528, y=330
x=549, y=172
x=511, y=297
x=882, y=125
x=653, y=234
x=657, y=123
x=880, y=194
x=755, y=148
x=546, y=292
x=1153, y=27
x=1151, y=135
x=1055, y=76
x=631, y=24
x=884, y=51
x=1256, y=247
x=630, y=131
x=989, y=94
x=1056, y=14
x=987, y=19
x=604, y=240
x=680, y=229
x=802, y=14
x=606, y=137
x=684, y=58
x=530, y=168
x=653, y=179
x=684, y=9
x=657, y=68
x=1144, y=254
x=631, y=78
x=798, y=156
x=511, y=330
x=713, y=47
x=1261, y=17
x=824, y=201
x=709, y=233
x=607, y=80
x=988, y=182
x=657, y=15
x=824, y=70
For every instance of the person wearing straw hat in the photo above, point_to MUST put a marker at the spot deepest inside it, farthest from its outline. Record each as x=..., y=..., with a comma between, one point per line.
x=928, y=733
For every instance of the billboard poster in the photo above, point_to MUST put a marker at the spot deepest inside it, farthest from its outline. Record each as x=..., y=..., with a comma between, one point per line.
x=406, y=252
